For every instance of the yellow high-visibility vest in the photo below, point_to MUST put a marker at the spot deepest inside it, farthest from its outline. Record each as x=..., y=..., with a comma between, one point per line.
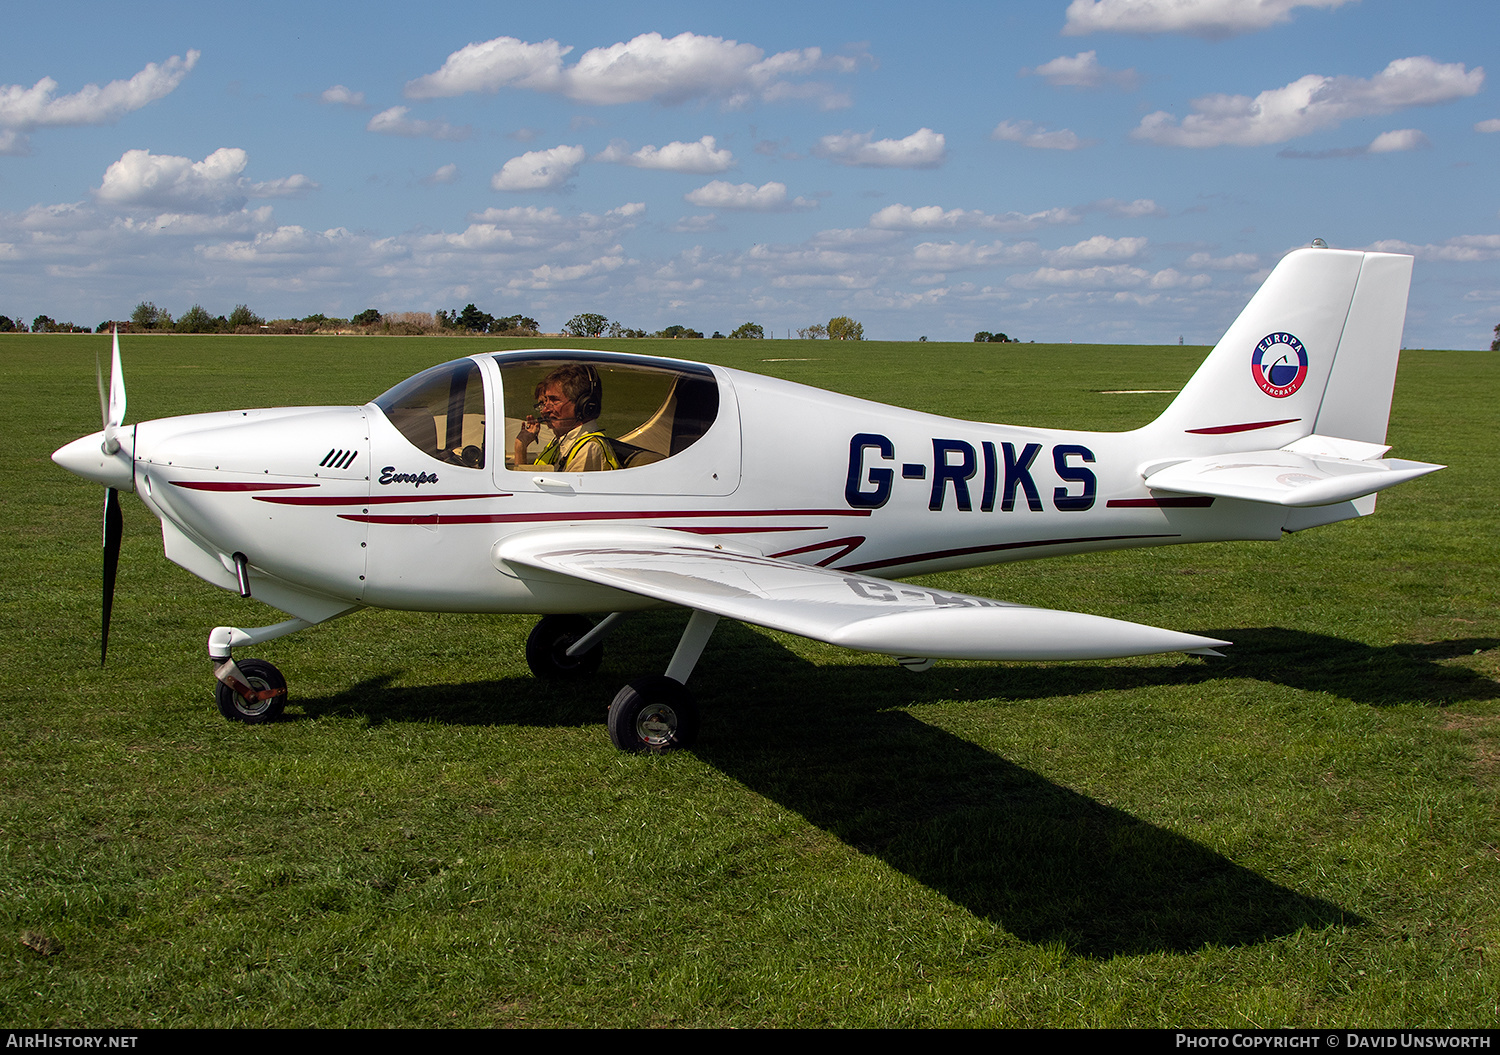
x=551, y=454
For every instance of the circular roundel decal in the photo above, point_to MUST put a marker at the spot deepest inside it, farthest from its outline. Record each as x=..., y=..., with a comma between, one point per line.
x=1279, y=364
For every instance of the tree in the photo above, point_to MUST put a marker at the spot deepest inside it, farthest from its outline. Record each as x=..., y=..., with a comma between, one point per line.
x=474, y=320
x=1495, y=344
x=515, y=323
x=196, y=320
x=843, y=328
x=243, y=316
x=676, y=331
x=586, y=325
x=148, y=316
x=749, y=331
x=813, y=332
x=7, y=325
x=982, y=336
x=43, y=324
x=368, y=317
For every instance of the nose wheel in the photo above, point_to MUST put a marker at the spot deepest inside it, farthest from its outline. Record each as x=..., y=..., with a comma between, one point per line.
x=259, y=697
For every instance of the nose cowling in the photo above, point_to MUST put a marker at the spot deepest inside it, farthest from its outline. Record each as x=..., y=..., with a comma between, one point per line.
x=87, y=457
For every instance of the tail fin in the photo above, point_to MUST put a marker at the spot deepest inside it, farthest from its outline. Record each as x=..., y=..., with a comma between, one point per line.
x=1314, y=352
x=1297, y=394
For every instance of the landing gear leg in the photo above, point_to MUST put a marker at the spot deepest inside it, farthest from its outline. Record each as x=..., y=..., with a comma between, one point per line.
x=658, y=713
x=252, y=691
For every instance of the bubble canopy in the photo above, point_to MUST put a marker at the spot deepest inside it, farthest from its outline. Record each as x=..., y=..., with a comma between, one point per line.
x=647, y=409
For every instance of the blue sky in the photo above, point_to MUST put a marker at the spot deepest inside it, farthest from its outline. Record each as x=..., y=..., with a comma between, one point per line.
x=1093, y=171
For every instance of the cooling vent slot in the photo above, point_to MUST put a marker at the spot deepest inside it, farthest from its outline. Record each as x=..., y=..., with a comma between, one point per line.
x=337, y=459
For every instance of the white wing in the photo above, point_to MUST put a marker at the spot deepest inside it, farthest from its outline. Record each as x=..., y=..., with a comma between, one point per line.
x=841, y=608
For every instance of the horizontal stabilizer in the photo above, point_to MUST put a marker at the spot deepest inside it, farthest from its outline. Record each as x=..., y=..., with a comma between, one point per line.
x=1313, y=471
x=841, y=608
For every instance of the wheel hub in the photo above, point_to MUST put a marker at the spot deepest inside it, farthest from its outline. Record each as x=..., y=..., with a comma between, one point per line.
x=656, y=725
x=261, y=701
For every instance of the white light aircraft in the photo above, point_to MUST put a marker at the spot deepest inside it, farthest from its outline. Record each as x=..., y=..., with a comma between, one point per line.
x=748, y=497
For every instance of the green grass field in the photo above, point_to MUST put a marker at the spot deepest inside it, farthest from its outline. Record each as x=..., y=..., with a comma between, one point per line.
x=1303, y=833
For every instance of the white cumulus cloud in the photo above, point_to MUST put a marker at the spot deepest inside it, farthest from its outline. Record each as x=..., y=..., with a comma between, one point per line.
x=490, y=65
x=1115, y=276
x=769, y=197
x=1385, y=143
x=924, y=148
x=37, y=106
x=933, y=218
x=1309, y=104
x=1233, y=262
x=1084, y=70
x=1030, y=135
x=1171, y=278
x=24, y=109
x=215, y=184
x=1400, y=139
x=1098, y=248
x=924, y=218
x=1130, y=210
x=702, y=157
x=394, y=122
x=338, y=95
x=649, y=67
x=1490, y=125
x=539, y=169
x=1464, y=248
x=547, y=276
x=1213, y=19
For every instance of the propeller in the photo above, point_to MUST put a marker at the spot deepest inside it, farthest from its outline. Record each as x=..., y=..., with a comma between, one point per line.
x=112, y=410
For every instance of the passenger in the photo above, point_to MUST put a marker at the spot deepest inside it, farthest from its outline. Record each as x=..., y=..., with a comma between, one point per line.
x=569, y=401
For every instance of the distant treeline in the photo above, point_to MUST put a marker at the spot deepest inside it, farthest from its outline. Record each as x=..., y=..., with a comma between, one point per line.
x=148, y=318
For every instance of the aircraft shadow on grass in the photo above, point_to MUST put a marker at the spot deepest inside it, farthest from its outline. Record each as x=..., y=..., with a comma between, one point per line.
x=1047, y=863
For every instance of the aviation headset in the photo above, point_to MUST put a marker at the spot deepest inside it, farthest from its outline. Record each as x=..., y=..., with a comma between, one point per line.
x=590, y=404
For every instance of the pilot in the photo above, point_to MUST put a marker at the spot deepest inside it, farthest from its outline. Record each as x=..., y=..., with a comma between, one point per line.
x=568, y=401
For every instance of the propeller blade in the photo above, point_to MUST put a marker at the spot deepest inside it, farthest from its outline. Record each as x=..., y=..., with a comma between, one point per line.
x=113, y=529
x=114, y=410
x=103, y=391
x=116, y=384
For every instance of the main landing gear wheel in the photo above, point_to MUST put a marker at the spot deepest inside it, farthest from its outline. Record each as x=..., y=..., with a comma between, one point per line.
x=263, y=678
x=547, y=648
x=653, y=714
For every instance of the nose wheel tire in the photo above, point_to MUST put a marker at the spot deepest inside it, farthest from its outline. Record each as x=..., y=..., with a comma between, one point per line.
x=653, y=714
x=267, y=683
x=547, y=648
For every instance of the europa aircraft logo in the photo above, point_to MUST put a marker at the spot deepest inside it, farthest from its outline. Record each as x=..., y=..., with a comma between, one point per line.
x=1279, y=364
